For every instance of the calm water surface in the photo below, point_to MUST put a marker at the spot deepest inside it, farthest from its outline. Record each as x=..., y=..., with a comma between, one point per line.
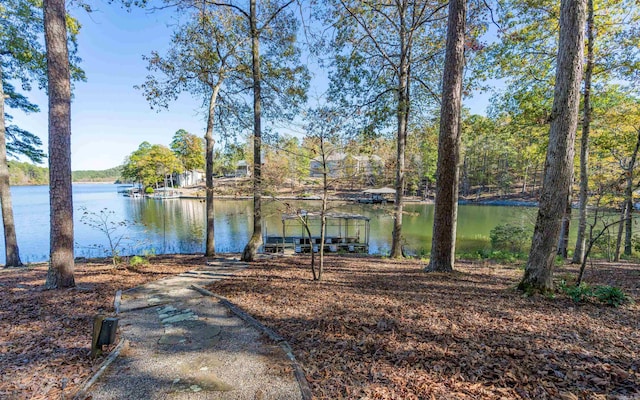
x=177, y=226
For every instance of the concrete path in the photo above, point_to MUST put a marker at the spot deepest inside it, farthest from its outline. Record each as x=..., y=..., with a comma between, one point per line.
x=185, y=345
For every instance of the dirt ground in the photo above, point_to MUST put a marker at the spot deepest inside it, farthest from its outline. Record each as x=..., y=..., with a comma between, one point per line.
x=376, y=328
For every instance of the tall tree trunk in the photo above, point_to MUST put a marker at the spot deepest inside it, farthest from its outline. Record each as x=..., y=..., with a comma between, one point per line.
x=559, y=162
x=583, y=198
x=323, y=212
x=61, y=263
x=251, y=249
x=210, y=244
x=616, y=249
x=563, y=238
x=629, y=198
x=445, y=214
x=10, y=240
x=465, y=176
x=403, y=117
x=524, y=179
x=485, y=174
x=535, y=178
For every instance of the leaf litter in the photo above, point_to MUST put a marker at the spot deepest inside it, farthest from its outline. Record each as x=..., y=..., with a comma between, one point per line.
x=45, y=335
x=376, y=328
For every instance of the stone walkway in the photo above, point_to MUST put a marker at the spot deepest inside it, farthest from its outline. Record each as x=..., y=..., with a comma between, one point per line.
x=185, y=345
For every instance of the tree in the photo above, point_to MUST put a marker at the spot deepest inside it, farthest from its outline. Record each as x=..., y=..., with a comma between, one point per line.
x=61, y=264
x=559, y=161
x=385, y=53
x=11, y=242
x=579, y=252
x=525, y=57
x=445, y=213
x=164, y=162
x=21, y=57
x=133, y=168
x=270, y=23
x=278, y=28
x=323, y=129
x=189, y=149
x=615, y=142
x=207, y=55
x=617, y=53
x=150, y=164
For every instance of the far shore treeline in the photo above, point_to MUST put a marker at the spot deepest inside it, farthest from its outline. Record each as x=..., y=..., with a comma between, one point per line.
x=25, y=173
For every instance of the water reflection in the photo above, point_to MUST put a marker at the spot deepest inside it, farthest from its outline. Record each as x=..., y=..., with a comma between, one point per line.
x=177, y=226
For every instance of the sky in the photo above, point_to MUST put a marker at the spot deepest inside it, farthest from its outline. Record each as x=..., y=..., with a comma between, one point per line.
x=109, y=117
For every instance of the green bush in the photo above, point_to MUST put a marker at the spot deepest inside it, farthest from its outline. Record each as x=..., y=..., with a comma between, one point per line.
x=136, y=261
x=148, y=190
x=508, y=237
x=577, y=293
x=635, y=242
x=611, y=295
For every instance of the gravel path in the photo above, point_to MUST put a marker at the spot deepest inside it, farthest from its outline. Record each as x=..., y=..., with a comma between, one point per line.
x=183, y=345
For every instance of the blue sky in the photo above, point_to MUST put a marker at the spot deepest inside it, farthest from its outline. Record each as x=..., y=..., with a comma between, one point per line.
x=109, y=117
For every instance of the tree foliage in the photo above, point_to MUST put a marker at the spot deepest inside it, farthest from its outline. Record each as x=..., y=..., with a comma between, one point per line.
x=151, y=164
x=189, y=149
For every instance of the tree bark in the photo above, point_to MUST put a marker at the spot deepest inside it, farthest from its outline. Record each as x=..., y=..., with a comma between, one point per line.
x=210, y=246
x=445, y=216
x=616, y=249
x=403, y=118
x=563, y=238
x=61, y=263
x=251, y=249
x=10, y=239
x=559, y=161
x=583, y=198
x=629, y=198
x=323, y=212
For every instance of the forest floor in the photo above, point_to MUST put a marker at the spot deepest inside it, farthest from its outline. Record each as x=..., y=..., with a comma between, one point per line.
x=372, y=328
x=377, y=328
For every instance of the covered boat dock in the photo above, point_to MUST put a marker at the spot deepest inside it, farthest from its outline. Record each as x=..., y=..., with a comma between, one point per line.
x=344, y=233
x=378, y=196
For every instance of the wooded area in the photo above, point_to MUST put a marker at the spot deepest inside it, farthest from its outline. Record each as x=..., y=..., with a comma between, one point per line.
x=398, y=76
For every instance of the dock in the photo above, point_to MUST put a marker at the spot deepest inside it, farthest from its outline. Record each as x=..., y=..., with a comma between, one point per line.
x=343, y=233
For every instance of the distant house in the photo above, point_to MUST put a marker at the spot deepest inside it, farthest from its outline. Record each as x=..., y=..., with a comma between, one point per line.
x=189, y=178
x=346, y=165
x=242, y=169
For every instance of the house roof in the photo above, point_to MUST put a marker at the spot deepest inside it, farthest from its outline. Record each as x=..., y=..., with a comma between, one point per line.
x=331, y=157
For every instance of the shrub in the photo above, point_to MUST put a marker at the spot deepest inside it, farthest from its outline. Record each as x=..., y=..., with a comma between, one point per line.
x=508, y=237
x=148, y=190
x=611, y=295
x=115, y=232
x=635, y=242
x=136, y=261
x=577, y=293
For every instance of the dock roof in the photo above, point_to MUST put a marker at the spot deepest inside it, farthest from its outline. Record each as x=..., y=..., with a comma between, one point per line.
x=331, y=215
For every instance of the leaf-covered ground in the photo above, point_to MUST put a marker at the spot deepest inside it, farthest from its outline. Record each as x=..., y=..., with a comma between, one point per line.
x=382, y=329
x=45, y=335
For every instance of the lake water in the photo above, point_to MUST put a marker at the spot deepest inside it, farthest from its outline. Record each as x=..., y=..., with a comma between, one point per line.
x=177, y=226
